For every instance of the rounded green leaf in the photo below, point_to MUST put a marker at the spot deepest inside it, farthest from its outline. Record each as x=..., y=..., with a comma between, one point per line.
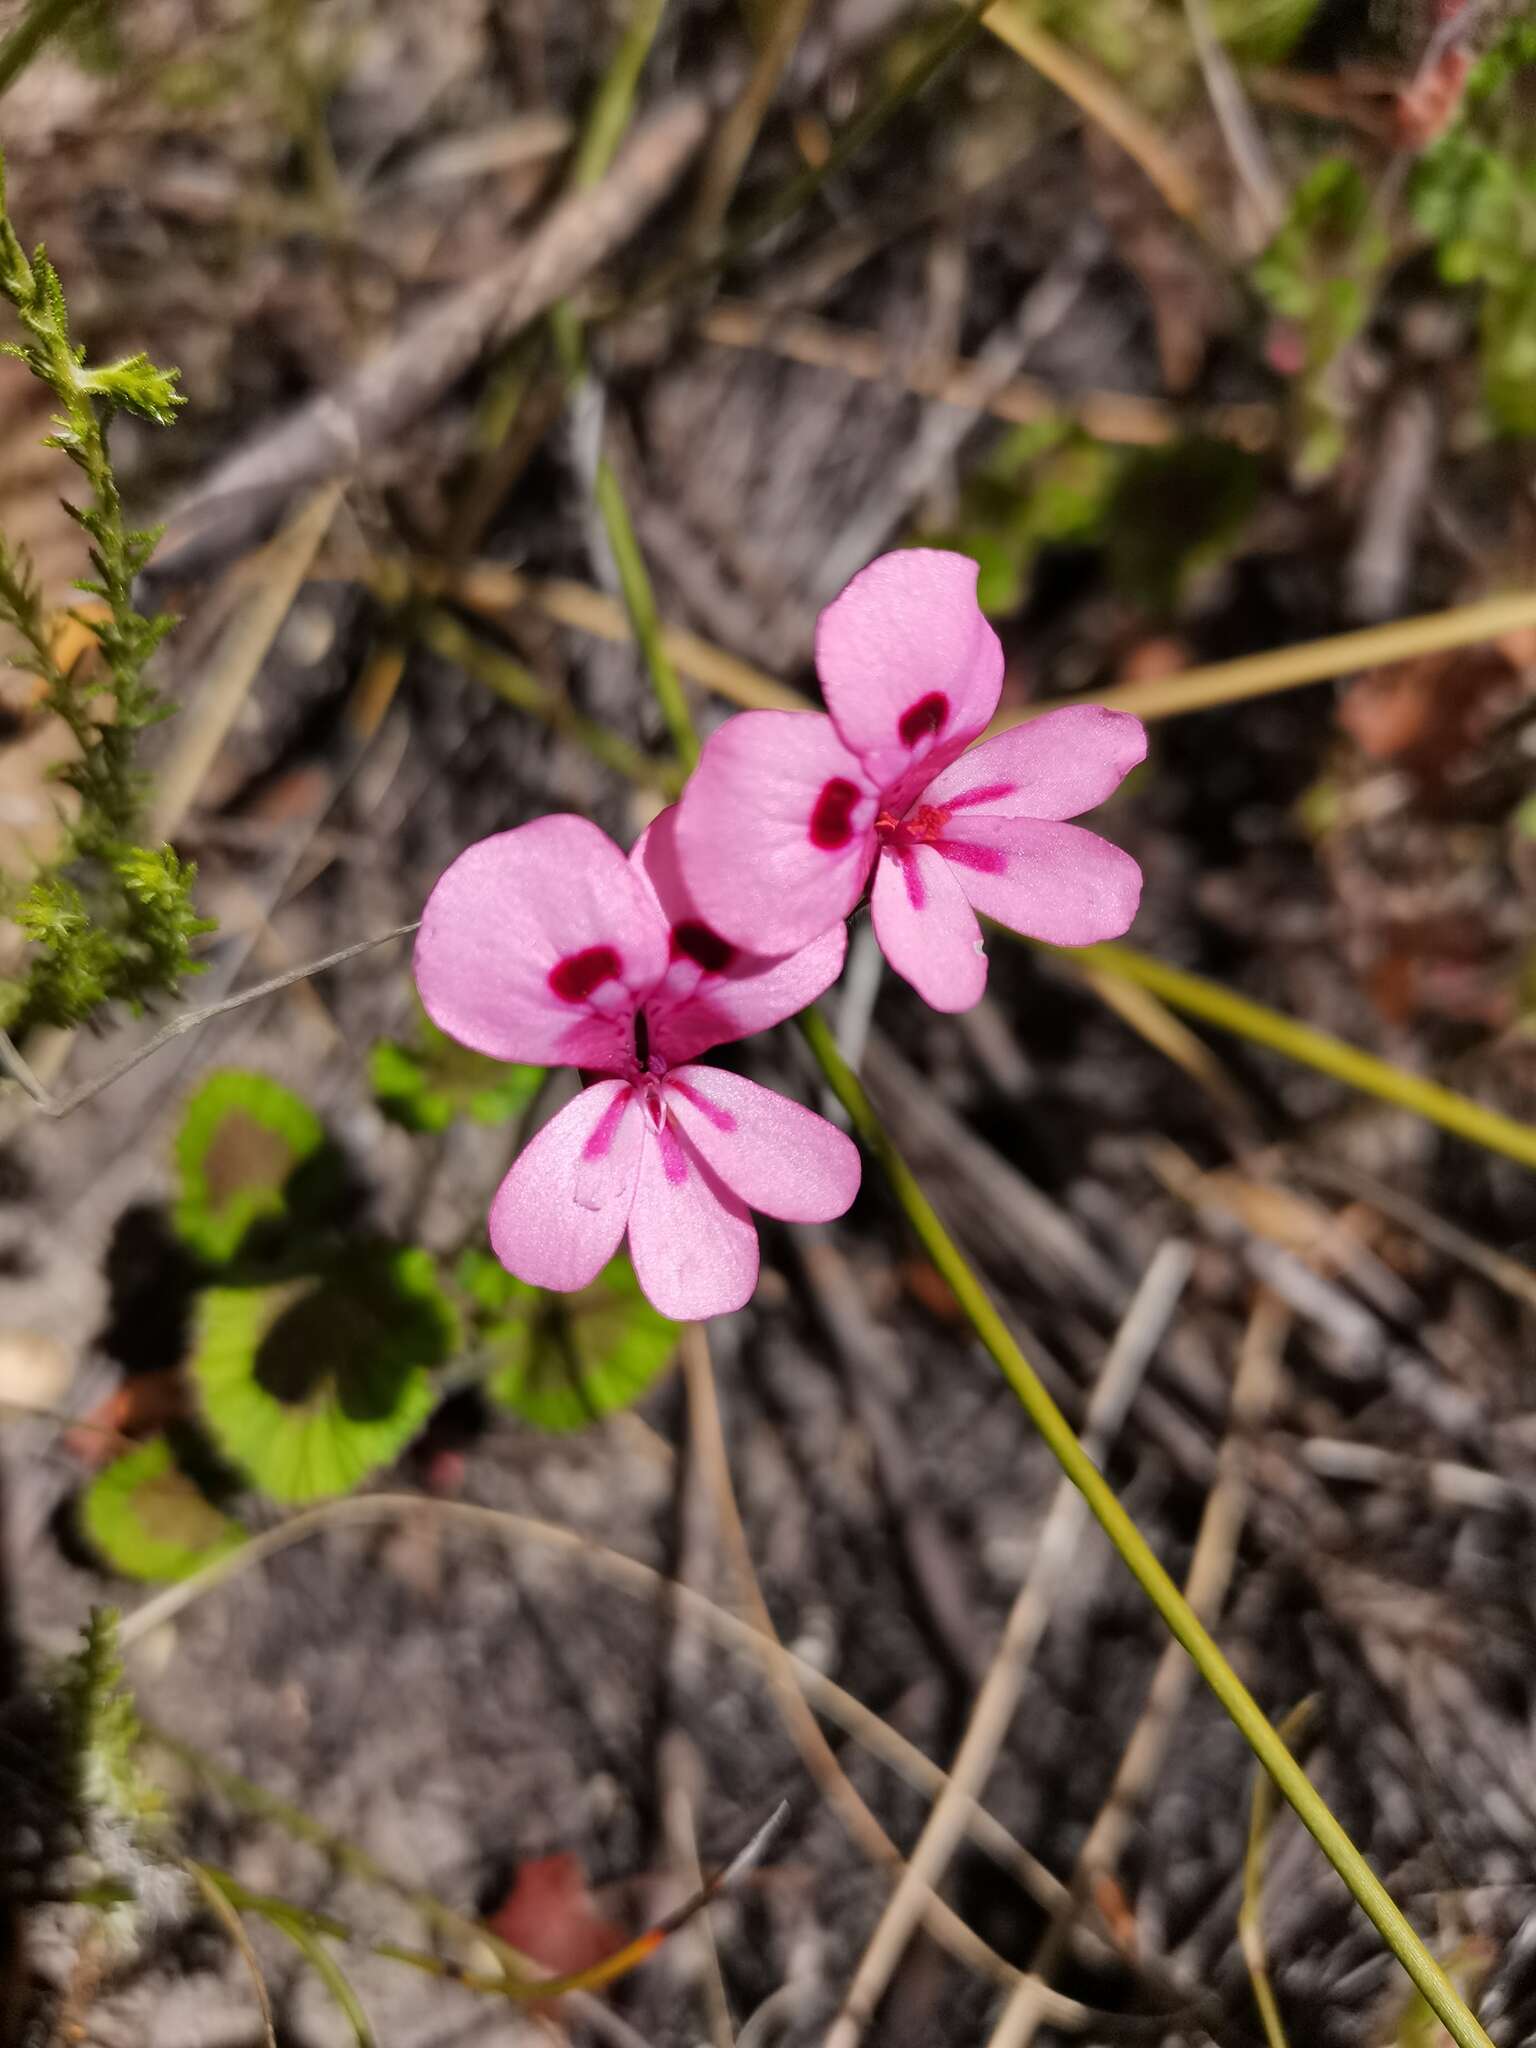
x=425, y=1087
x=248, y=1153
x=312, y=1383
x=567, y=1360
x=149, y=1520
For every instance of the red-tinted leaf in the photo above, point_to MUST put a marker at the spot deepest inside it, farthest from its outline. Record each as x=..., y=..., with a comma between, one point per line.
x=550, y=1916
x=144, y=1403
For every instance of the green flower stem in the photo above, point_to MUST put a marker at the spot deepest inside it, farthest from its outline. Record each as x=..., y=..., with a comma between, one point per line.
x=1216, y=1005
x=1133, y=1547
x=607, y=119
x=608, y=116
x=640, y=602
x=446, y=637
x=44, y=18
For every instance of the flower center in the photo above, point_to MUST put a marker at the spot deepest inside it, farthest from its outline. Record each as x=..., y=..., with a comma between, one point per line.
x=922, y=827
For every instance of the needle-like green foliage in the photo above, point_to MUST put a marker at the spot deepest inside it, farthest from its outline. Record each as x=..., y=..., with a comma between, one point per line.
x=110, y=919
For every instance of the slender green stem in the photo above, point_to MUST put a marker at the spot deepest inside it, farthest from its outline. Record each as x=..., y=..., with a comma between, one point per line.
x=1133, y=1547
x=640, y=602
x=1347, y=1063
x=608, y=115
x=42, y=19
x=443, y=633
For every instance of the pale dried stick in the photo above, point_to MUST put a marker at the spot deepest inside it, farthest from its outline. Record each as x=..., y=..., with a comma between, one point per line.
x=679, y=1768
x=1141, y=1331
x=281, y=567
x=641, y=1581
x=61, y=1105
x=736, y=134
x=707, y=1438
x=234, y=1927
x=1239, y=131
x=1210, y=1573
x=1119, y=416
x=1250, y=1915
x=1510, y=1274
x=1013, y=22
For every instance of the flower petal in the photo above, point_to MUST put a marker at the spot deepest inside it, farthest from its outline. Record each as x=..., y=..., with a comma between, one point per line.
x=691, y=1240
x=927, y=930
x=560, y=1214
x=775, y=830
x=910, y=669
x=1047, y=880
x=1055, y=766
x=775, y=1154
x=537, y=944
x=714, y=991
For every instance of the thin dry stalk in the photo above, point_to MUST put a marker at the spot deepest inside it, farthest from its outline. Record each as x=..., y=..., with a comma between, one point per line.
x=279, y=572
x=707, y=1438
x=1144, y=1326
x=1265, y=200
x=1250, y=1917
x=640, y=1581
x=1210, y=1573
x=738, y=131
x=234, y=1927
x=1013, y=22
x=1123, y=417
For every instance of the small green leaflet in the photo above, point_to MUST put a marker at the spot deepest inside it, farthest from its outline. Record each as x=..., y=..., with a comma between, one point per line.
x=313, y=1382
x=149, y=1520
x=563, y=1361
x=426, y=1086
x=248, y=1154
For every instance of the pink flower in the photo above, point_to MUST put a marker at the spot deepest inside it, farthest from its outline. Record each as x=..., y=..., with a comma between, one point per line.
x=788, y=812
x=547, y=945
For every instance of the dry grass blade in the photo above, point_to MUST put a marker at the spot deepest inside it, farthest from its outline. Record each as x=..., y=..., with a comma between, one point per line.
x=1141, y=1331
x=1123, y=417
x=1013, y=22
x=1510, y=1274
x=275, y=576
x=641, y=1581
x=490, y=588
x=1250, y=1919
x=738, y=131
x=1151, y=1019
x=1312, y=661
x=59, y=1106
x=234, y=1926
x=707, y=1440
x=1210, y=1573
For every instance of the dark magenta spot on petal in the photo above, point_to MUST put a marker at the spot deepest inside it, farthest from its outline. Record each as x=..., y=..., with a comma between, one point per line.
x=574, y=978
x=832, y=819
x=694, y=941
x=986, y=860
x=972, y=799
x=928, y=715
